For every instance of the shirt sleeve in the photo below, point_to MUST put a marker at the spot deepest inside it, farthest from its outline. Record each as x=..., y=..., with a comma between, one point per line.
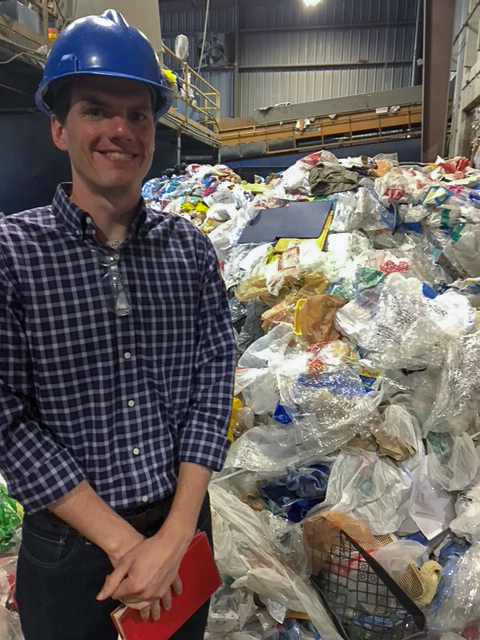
x=38, y=470
x=202, y=437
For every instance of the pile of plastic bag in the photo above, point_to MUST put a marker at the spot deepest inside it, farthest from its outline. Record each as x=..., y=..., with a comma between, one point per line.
x=356, y=399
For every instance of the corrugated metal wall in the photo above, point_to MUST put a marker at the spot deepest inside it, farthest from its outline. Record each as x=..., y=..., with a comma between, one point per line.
x=288, y=53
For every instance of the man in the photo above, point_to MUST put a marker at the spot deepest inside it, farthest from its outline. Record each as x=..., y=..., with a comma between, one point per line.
x=116, y=358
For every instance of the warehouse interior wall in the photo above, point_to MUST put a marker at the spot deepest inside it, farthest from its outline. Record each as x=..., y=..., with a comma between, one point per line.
x=281, y=51
x=143, y=14
x=466, y=67
x=31, y=179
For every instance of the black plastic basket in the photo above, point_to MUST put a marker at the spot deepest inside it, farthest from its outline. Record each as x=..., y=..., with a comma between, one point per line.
x=363, y=600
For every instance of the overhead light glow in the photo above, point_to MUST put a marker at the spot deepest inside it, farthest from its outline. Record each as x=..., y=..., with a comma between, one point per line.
x=311, y=3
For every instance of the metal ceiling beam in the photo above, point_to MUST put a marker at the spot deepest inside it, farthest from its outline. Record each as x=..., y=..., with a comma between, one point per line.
x=320, y=27
x=439, y=18
x=322, y=65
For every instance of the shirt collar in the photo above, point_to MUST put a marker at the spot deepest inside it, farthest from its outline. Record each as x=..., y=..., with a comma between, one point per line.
x=74, y=219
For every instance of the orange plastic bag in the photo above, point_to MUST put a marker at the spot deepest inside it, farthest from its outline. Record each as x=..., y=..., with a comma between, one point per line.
x=316, y=317
x=320, y=531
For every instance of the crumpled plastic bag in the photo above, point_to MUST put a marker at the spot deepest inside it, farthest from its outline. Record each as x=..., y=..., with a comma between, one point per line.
x=229, y=611
x=346, y=216
x=268, y=349
x=458, y=603
x=243, y=552
x=316, y=318
x=258, y=387
x=400, y=423
x=10, y=625
x=301, y=259
x=467, y=523
x=401, y=327
x=463, y=250
x=453, y=461
x=396, y=556
x=458, y=398
x=284, y=310
x=329, y=402
x=321, y=529
x=370, y=489
x=264, y=449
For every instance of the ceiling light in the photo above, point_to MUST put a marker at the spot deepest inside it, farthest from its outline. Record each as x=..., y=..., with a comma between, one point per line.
x=311, y=3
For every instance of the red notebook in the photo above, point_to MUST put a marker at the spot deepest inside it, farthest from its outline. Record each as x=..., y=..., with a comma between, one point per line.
x=200, y=578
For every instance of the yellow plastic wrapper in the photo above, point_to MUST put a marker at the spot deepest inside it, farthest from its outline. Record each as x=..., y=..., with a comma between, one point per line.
x=236, y=406
x=285, y=309
x=316, y=316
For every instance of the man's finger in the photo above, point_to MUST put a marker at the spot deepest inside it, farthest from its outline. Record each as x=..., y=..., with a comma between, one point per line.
x=155, y=610
x=145, y=613
x=177, y=585
x=112, y=582
x=167, y=600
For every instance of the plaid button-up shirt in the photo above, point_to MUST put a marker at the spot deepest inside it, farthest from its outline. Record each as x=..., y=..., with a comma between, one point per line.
x=88, y=394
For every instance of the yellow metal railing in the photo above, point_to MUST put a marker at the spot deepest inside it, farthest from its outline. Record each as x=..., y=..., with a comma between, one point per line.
x=197, y=100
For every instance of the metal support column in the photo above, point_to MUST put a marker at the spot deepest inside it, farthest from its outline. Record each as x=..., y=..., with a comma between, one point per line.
x=179, y=148
x=236, y=93
x=439, y=18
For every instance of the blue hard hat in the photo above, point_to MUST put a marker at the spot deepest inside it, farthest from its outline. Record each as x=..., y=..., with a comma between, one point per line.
x=103, y=46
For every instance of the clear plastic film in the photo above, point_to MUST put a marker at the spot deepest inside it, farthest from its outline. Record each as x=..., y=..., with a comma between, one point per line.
x=458, y=602
x=401, y=327
x=346, y=216
x=10, y=625
x=328, y=400
x=264, y=449
x=458, y=400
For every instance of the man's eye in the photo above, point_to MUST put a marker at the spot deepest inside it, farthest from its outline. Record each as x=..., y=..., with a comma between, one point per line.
x=138, y=116
x=96, y=112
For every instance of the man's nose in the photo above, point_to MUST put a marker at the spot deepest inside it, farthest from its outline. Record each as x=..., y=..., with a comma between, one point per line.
x=119, y=126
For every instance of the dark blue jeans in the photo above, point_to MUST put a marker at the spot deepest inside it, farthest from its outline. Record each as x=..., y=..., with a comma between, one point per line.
x=59, y=574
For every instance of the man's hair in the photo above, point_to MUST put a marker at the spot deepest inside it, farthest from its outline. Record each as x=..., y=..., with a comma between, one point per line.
x=62, y=101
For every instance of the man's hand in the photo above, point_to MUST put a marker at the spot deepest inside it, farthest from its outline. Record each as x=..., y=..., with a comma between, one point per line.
x=149, y=571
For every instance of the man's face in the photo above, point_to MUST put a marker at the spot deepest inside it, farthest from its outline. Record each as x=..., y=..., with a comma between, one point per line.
x=109, y=134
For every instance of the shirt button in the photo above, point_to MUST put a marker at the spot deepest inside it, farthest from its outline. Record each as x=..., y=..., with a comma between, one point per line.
x=131, y=403
x=136, y=451
x=144, y=498
x=127, y=355
x=88, y=221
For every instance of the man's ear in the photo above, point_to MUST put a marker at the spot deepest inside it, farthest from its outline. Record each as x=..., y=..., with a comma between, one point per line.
x=58, y=133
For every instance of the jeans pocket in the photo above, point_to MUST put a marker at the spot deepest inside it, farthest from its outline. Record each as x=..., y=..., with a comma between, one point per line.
x=50, y=548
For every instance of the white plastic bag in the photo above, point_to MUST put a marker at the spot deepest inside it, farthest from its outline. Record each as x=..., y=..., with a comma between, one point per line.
x=258, y=387
x=396, y=556
x=243, y=552
x=370, y=489
x=268, y=349
x=460, y=469
x=467, y=522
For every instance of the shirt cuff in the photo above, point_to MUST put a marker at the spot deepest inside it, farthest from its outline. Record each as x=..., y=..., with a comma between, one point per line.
x=51, y=480
x=206, y=448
